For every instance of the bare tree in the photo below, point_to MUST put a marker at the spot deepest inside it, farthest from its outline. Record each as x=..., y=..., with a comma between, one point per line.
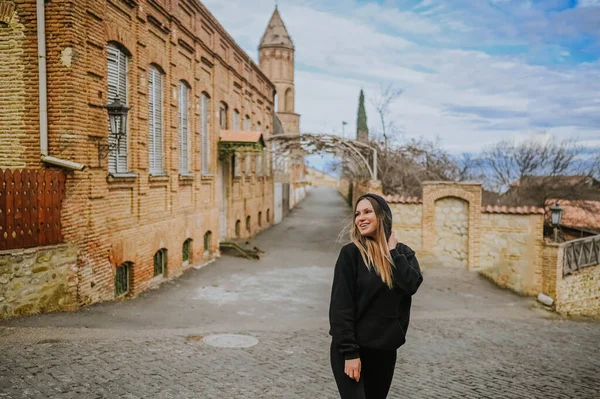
x=385, y=98
x=469, y=168
x=509, y=161
x=533, y=172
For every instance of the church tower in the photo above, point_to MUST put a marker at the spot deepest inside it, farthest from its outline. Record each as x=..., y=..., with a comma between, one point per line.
x=276, y=59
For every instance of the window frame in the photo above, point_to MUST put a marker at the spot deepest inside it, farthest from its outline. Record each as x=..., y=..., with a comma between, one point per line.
x=183, y=105
x=156, y=136
x=118, y=163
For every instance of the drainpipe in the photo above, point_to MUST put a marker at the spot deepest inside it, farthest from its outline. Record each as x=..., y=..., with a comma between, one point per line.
x=41, y=37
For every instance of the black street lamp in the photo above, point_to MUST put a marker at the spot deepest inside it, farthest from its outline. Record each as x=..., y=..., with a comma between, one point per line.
x=117, y=116
x=556, y=213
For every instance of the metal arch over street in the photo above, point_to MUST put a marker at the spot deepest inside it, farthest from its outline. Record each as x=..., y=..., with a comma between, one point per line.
x=312, y=143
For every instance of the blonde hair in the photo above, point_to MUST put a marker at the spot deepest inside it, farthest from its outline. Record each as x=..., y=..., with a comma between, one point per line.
x=374, y=250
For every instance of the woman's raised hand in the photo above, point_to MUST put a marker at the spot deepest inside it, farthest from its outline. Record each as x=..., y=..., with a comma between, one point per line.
x=352, y=368
x=392, y=241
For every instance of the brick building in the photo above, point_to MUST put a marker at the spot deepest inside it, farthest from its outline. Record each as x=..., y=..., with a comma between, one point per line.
x=190, y=170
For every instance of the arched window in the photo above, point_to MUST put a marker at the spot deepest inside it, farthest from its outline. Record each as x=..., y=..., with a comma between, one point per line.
x=186, y=252
x=207, y=242
x=248, y=224
x=289, y=100
x=259, y=219
x=236, y=119
x=238, y=226
x=247, y=123
x=160, y=262
x=268, y=215
x=155, y=120
x=117, y=79
x=205, y=115
x=223, y=116
x=258, y=127
x=184, y=130
x=123, y=279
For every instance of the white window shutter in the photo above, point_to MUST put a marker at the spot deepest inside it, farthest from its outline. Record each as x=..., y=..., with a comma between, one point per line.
x=117, y=86
x=155, y=112
x=183, y=128
x=205, y=151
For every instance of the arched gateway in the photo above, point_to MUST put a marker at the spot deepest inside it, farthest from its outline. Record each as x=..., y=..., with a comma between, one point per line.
x=359, y=157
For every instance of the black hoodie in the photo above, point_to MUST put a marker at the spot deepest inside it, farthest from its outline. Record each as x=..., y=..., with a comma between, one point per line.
x=364, y=311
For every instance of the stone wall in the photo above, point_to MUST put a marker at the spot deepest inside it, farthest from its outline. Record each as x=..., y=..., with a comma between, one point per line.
x=451, y=246
x=345, y=188
x=577, y=293
x=505, y=244
x=407, y=219
x=316, y=178
x=448, y=227
x=511, y=250
x=451, y=193
x=37, y=280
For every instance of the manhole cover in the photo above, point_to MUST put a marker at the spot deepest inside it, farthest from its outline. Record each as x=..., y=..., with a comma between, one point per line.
x=230, y=341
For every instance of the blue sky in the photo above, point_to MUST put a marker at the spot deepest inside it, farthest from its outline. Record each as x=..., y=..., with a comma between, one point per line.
x=473, y=71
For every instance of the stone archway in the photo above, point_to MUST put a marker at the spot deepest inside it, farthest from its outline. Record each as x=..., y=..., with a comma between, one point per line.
x=459, y=244
x=451, y=223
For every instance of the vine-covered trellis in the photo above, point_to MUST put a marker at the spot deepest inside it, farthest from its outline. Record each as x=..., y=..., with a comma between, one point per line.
x=229, y=148
x=360, y=158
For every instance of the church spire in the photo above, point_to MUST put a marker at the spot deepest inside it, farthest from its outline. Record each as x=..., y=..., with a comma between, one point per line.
x=276, y=35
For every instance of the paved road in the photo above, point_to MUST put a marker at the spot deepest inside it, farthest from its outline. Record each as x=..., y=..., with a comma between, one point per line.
x=467, y=338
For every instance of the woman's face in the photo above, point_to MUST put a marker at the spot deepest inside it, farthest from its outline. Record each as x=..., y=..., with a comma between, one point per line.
x=365, y=218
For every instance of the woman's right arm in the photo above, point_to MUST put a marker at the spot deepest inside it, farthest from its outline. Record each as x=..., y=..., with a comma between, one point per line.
x=342, y=307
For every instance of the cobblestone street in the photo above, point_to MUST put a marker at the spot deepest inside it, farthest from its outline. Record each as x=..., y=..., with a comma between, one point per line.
x=468, y=338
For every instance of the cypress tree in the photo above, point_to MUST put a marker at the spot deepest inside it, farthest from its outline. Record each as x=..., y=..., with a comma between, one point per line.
x=362, y=131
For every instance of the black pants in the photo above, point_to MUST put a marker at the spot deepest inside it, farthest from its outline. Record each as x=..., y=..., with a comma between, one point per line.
x=377, y=371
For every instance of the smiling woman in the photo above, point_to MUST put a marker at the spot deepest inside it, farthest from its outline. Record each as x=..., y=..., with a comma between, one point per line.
x=374, y=280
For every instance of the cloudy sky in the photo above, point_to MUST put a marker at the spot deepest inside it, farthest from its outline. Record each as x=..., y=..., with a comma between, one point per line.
x=472, y=71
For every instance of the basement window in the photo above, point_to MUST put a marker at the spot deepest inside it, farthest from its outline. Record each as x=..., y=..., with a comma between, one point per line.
x=207, y=242
x=238, y=225
x=122, y=279
x=186, y=252
x=160, y=262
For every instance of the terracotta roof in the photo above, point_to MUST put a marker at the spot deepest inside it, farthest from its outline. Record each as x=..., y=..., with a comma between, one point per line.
x=276, y=35
x=513, y=210
x=237, y=136
x=579, y=213
x=401, y=199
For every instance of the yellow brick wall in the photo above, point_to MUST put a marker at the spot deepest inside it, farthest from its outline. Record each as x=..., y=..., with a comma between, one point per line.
x=19, y=125
x=511, y=251
x=550, y=268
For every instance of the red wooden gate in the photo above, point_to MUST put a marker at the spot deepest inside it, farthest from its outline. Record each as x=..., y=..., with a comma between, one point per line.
x=30, y=207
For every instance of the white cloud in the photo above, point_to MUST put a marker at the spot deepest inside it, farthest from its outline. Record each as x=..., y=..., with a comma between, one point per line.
x=588, y=3
x=467, y=99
